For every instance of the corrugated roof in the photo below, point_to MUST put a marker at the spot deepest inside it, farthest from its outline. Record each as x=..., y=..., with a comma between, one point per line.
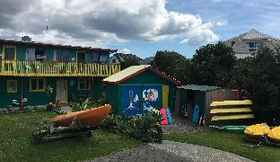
x=126, y=73
x=195, y=87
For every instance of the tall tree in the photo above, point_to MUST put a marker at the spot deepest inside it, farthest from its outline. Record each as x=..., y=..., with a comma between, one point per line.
x=258, y=75
x=173, y=64
x=212, y=64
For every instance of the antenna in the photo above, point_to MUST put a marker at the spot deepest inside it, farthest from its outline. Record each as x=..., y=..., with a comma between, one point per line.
x=47, y=22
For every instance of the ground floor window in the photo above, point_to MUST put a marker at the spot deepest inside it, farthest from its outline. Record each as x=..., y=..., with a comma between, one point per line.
x=37, y=85
x=84, y=84
x=12, y=86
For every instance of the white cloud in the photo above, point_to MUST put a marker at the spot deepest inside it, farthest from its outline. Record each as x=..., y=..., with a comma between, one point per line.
x=125, y=51
x=102, y=21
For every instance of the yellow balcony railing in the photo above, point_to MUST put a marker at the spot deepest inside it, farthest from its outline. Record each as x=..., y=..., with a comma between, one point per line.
x=56, y=69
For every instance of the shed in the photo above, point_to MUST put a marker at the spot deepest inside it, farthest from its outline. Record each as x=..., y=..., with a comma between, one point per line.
x=139, y=88
x=192, y=95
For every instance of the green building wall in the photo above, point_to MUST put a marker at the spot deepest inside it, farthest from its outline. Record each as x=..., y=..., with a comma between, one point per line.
x=43, y=98
x=113, y=91
x=34, y=98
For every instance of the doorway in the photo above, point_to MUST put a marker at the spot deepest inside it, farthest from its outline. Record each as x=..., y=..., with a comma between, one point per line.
x=62, y=91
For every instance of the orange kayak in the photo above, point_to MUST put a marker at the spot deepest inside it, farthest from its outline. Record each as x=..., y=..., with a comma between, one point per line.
x=91, y=117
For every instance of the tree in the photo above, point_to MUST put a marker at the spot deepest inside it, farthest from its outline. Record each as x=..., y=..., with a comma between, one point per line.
x=258, y=75
x=212, y=64
x=173, y=64
x=129, y=61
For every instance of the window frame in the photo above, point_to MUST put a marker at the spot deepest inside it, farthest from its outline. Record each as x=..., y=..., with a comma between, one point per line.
x=41, y=56
x=252, y=46
x=16, y=83
x=37, y=85
x=4, y=52
x=84, y=52
x=88, y=85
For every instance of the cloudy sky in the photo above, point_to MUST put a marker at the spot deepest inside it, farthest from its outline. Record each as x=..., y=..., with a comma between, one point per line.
x=138, y=26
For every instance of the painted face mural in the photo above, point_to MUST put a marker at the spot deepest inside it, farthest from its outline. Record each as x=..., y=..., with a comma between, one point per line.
x=150, y=96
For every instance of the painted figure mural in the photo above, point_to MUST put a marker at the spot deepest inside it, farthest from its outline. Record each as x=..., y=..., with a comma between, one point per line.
x=150, y=96
x=133, y=98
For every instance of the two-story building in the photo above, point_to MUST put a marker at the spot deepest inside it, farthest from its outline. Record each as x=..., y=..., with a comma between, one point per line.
x=247, y=44
x=44, y=72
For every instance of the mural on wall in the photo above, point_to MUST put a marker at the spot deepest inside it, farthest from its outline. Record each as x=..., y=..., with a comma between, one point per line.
x=131, y=100
x=150, y=96
x=137, y=99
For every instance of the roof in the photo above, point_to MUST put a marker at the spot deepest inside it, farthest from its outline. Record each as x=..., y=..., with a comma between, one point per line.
x=33, y=43
x=195, y=87
x=126, y=73
x=253, y=34
x=136, y=70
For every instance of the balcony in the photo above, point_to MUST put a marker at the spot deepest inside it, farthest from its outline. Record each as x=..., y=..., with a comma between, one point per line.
x=56, y=69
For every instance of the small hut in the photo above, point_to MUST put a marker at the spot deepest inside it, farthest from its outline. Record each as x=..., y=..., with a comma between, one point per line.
x=199, y=96
x=139, y=88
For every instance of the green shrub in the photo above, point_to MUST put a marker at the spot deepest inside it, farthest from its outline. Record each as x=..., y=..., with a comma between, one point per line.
x=145, y=127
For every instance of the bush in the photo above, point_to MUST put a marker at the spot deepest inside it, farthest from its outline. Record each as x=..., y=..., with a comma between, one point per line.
x=145, y=128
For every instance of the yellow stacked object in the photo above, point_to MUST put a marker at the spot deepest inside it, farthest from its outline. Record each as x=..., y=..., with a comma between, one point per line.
x=257, y=130
x=231, y=110
x=274, y=134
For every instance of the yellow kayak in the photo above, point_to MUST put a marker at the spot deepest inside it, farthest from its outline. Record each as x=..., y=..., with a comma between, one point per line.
x=256, y=131
x=274, y=134
x=231, y=110
x=233, y=117
x=231, y=103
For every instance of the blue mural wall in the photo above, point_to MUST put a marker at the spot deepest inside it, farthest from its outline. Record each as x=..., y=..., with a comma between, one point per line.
x=139, y=98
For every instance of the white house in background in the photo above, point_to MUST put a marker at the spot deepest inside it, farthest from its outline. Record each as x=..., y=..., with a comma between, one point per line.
x=247, y=44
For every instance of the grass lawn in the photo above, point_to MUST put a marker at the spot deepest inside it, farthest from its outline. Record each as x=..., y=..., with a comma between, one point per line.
x=15, y=142
x=230, y=142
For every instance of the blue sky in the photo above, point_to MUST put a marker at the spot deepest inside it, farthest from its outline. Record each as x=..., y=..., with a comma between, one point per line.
x=140, y=27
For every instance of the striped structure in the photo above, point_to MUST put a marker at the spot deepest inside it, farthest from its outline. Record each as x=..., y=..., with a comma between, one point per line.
x=231, y=110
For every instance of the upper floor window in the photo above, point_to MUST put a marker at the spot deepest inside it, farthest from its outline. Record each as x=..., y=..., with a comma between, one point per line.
x=253, y=46
x=94, y=57
x=38, y=54
x=61, y=56
x=103, y=58
x=9, y=52
x=81, y=57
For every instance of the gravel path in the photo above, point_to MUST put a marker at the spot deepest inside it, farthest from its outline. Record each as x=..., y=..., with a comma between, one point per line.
x=172, y=151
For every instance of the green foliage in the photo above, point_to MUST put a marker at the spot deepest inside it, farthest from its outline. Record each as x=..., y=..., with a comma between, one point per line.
x=258, y=76
x=129, y=61
x=87, y=103
x=212, y=64
x=145, y=128
x=173, y=64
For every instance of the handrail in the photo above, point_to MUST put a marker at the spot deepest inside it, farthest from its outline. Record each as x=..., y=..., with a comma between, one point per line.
x=54, y=69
